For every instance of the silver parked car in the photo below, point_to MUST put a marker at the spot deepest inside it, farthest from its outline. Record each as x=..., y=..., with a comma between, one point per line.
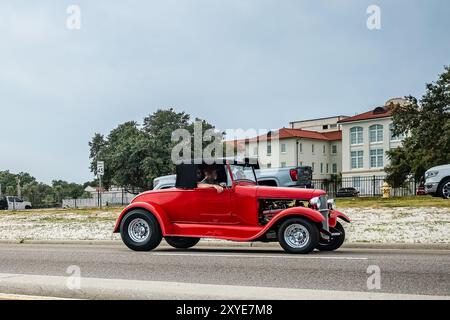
x=437, y=181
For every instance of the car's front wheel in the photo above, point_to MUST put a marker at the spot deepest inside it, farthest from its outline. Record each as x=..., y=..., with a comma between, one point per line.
x=444, y=189
x=298, y=235
x=336, y=242
x=182, y=242
x=140, y=231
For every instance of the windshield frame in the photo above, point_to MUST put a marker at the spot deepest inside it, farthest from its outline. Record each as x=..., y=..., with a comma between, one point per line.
x=244, y=165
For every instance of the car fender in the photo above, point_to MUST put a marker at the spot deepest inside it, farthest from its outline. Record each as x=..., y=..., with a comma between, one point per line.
x=334, y=215
x=153, y=209
x=294, y=212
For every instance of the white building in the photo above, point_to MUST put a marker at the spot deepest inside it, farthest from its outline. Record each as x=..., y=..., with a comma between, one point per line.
x=320, y=148
x=320, y=125
x=366, y=138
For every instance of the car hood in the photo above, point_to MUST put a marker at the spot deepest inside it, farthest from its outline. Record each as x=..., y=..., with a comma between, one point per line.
x=441, y=167
x=288, y=193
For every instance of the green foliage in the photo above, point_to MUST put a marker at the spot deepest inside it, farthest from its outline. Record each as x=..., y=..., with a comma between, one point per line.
x=8, y=182
x=427, y=125
x=135, y=155
x=38, y=193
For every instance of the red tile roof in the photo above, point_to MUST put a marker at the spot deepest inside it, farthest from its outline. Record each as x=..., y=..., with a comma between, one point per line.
x=377, y=113
x=333, y=135
x=307, y=134
x=285, y=133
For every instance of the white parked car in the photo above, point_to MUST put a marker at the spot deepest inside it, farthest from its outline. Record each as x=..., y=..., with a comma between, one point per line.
x=14, y=203
x=437, y=181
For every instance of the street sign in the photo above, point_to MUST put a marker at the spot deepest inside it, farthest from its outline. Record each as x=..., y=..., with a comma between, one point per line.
x=100, y=168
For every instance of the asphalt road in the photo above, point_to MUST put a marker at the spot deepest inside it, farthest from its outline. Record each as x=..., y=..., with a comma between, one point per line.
x=418, y=272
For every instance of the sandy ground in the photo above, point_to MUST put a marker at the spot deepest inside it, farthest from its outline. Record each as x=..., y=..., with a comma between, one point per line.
x=384, y=225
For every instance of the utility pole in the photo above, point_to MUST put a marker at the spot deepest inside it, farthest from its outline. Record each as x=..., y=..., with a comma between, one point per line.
x=19, y=191
x=100, y=189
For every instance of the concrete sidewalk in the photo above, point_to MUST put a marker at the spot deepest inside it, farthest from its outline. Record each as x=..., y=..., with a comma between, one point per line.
x=234, y=244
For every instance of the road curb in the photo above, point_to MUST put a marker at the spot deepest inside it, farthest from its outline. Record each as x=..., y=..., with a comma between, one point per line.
x=231, y=244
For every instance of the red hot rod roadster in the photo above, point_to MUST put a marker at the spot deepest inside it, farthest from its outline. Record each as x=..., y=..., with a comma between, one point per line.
x=233, y=208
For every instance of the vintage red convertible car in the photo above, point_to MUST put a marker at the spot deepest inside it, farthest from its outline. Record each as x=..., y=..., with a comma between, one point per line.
x=301, y=220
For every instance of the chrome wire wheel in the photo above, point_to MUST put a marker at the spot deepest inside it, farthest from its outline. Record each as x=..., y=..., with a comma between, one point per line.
x=296, y=236
x=139, y=230
x=446, y=190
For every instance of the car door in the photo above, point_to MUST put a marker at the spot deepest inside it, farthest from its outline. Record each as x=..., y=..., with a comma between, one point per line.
x=213, y=207
x=11, y=203
x=19, y=203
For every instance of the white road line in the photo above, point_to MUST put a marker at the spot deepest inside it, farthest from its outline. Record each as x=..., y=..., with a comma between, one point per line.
x=257, y=256
x=97, y=288
x=8, y=296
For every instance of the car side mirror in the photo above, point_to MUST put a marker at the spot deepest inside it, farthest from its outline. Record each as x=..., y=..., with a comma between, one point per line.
x=223, y=184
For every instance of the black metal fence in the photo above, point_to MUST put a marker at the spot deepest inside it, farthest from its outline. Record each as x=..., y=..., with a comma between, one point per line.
x=367, y=186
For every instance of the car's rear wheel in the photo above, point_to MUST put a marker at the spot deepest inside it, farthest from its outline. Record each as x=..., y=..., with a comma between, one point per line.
x=140, y=231
x=298, y=235
x=182, y=242
x=336, y=242
x=444, y=189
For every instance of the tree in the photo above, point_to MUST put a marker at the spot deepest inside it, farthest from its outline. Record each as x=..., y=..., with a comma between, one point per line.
x=159, y=127
x=134, y=155
x=8, y=179
x=94, y=183
x=39, y=194
x=65, y=190
x=426, y=124
x=123, y=152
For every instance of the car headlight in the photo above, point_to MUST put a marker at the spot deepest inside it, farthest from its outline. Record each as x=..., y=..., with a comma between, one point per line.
x=331, y=204
x=314, y=203
x=430, y=174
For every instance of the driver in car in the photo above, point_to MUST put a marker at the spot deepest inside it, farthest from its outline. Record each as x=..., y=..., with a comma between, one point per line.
x=210, y=180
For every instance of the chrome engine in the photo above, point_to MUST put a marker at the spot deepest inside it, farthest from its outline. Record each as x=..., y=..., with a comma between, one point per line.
x=268, y=208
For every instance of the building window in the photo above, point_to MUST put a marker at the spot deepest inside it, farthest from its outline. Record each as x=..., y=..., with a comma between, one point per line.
x=255, y=151
x=269, y=148
x=312, y=148
x=325, y=127
x=328, y=168
x=333, y=126
x=376, y=133
x=269, y=165
x=356, y=135
x=283, y=164
x=283, y=148
x=334, y=149
x=321, y=167
x=334, y=168
x=356, y=159
x=376, y=158
x=300, y=147
x=301, y=163
x=313, y=166
x=400, y=137
x=324, y=149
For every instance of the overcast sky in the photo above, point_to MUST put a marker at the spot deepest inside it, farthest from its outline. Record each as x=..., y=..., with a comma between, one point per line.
x=236, y=63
